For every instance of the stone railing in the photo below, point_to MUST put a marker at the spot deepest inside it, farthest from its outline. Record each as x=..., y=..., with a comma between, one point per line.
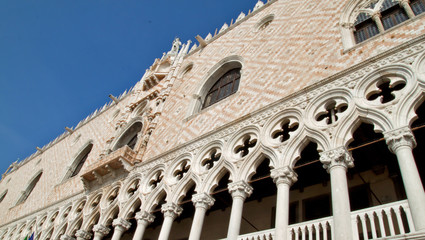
x=380, y=222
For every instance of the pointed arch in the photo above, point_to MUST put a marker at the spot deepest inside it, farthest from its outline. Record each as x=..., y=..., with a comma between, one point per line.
x=32, y=183
x=79, y=160
x=129, y=136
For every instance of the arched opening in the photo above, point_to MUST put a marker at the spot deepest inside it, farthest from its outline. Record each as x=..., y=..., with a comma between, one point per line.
x=153, y=229
x=130, y=136
x=218, y=216
x=310, y=196
x=375, y=180
x=182, y=224
x=418, y=128
x=260, y=208
x=30, y=188
x=80, y=160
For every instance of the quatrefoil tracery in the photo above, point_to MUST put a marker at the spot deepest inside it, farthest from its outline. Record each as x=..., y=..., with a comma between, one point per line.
x=156, y=179
x=181, y=170
x=113, y=196
x=212, y=157
x=133, y=188
x=331, y=112
x=385, y=89
x=283, y=132
x=244, y=146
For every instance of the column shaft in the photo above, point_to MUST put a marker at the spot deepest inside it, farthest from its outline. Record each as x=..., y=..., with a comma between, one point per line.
x=282, y=211
x=140, y=230
x=166, y=228
x=198, y=222
x=413, y=185
x=235, y=218
x=340, y=203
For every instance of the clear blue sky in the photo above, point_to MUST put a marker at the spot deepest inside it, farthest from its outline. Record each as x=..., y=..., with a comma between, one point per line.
x=60, y=59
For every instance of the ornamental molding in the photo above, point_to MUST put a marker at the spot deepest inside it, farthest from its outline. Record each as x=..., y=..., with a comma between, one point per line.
x=338, y=157
x=401, y=137
x=346, y=79
x=285, y=175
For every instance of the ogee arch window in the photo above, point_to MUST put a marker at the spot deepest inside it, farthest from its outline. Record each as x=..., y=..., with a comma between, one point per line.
x=225, y=86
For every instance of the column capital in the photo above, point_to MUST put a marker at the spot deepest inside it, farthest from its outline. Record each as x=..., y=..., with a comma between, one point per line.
x=100, y=229
x=66, y=237
x=81, y=234
x=202, y=200
x=336, y=157
x=121, y=223
x=284, y=175
x=240, y=189
x=145, y=216
x=171, y=210
x=401, y=137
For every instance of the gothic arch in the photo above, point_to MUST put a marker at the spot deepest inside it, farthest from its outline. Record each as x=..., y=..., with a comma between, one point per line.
x=249, y=168
x=220, y=68
x=213, y=178
x=130, y=207
x=79, y=159
x=30, y=187
x=133, y=128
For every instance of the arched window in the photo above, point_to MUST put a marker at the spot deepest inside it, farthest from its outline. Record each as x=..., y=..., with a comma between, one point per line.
x=225, y=86
x=375, y=17
x=80, y=160
x=30, y=187
x=129, y=137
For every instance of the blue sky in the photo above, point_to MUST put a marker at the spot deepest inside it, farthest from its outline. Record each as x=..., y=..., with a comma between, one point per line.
x=60, y=59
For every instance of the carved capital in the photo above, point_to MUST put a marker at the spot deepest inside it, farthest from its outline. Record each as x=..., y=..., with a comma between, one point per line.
x=66, y=237
x=203, y=200
x=121, y=223
x=284, y=175
x=101, y=230
x=145, y=217
x=336, y=157
x=401, y=137
x=81, y=234
x=240, y=189
x=171, y=210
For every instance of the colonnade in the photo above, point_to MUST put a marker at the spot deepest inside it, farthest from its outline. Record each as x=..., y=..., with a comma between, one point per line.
x=335, y=161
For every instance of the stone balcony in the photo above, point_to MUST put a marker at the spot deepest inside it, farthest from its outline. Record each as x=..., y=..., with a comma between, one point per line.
x=388, y=221
x=117, y=162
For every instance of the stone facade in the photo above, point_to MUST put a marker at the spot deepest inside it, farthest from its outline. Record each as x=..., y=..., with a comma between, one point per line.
x=297, y=70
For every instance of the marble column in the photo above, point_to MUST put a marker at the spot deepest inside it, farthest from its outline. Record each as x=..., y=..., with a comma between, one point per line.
x=171, y=211
x=83, y=235
x=143, y=220
x=284, y=178
x=401, y=142
x=406, y=6
x=120, y=226
x=202, y=203
x=377, y=18
x=336, y=162
x=100, y=231
x=239, y=191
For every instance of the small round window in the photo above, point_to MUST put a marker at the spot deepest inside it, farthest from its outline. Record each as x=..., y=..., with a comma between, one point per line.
x=264, y=23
